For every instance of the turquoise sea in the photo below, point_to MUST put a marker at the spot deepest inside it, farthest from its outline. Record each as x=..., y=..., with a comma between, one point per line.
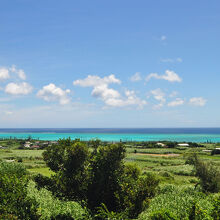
x=117, y=134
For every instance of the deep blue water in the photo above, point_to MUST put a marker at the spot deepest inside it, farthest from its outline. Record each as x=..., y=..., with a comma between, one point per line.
x=117, y=134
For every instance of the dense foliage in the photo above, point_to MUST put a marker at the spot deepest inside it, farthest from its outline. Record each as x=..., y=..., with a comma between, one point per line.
x=99, y=177
x=182, y=202
x=53, y=208
x=14, y=203
x=208, y=174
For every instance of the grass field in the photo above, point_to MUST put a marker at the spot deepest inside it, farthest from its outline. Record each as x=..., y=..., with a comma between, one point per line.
x=42, y=170
x=167, y=163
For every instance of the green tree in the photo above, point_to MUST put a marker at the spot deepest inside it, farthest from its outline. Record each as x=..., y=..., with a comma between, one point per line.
x=99, y=177
x=208, y=174
x=69, y=159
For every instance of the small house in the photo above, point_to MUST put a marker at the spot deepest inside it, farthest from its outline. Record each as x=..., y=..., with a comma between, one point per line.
x=183, y=145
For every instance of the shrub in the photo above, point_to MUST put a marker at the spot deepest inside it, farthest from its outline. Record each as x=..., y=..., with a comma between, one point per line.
x=215, y=151
x=43, y=181
x=104, y=213
x=11, y=169
x=208, y=175
x=178, y=200
x=14, y=203
x=20, y=160
x=163, y=215
x=134, y=195
x=216, y=208
x=171, y=144
x=53, y=208
x=197, y=213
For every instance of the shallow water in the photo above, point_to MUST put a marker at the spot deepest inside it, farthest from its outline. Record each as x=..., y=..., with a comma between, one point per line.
x=117, y=134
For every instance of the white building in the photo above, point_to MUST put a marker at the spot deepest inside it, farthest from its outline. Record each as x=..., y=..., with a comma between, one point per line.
x=183, y=145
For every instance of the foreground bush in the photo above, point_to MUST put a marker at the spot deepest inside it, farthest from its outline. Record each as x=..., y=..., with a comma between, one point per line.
x=52, y=208
x=99, y=177
x=176, y=202
x=163, y=214
x=14, y=203
x=216, y=207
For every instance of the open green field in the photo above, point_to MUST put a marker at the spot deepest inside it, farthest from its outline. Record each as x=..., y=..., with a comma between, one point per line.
x=167, y=163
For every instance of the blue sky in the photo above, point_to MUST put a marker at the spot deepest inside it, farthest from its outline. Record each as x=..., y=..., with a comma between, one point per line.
x=109, y=63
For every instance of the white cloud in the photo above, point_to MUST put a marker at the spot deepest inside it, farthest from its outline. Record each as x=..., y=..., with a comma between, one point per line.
x=197, y=101
x=136, y=77
x=104, y=92
x=110, y=97
x=158, y=94
x=172, y=60
x=4, y=73
x=18, y=88
x=163, y=38
x=176, y=102
x=52, y=93
x=92, y=81
x=21, y=74
x=131, y=99
x=100, y=86
x=169, y=75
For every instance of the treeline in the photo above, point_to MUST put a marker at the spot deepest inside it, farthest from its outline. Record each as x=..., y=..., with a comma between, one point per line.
x=162, y=144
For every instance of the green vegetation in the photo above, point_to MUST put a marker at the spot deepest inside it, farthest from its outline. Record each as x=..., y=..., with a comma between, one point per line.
x=50, y=207
x=14, y=202
x=73, y=179
x=99, y=177
x=177, y=200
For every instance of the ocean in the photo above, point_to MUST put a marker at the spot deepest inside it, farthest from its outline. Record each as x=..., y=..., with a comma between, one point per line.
x=117, y=134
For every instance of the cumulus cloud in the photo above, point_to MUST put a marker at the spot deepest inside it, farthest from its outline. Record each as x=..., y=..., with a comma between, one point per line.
x=18, y=88
x=93, y=81
x=169, y=75
x=197, y=101
x=158, y=95
x=21, y=74
x=130, y=99
x=109, y=96
x=104, y=92
x=136, y=77
x=176, y=102
x=100, y=86
x=51, y=92
x=4, y=73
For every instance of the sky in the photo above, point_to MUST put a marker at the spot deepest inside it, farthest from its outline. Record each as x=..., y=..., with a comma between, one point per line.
x=109, y=63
